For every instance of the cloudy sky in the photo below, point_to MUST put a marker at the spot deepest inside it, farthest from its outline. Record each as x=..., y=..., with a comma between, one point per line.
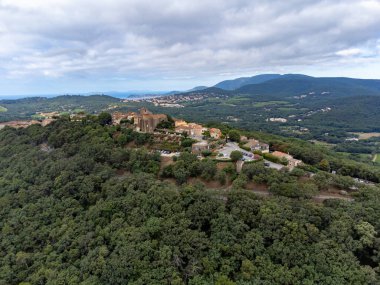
x=69, y=46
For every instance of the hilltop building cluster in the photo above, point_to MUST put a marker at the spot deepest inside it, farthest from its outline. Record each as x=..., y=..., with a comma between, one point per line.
x=143, y=121
x=172, y=132
x=147, y=122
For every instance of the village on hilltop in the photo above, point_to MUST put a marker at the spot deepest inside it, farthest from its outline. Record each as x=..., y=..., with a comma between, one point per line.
x=204, y=141
x=170, y=135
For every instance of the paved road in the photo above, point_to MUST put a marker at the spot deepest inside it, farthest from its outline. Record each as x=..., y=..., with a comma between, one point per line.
x=239, y=166
x=320, y=197
x=274, y=165
x=325, y=197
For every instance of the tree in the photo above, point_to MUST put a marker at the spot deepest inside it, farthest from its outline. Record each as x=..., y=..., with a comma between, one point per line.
x=223, y=280
x=234, y=136
x=366, y=232
x=180, y=172
x=187, y=142
x=221, y=177
x=236, y=155
x=208, y=168
x=206, y=152
x=322, y=180
x=206, y=134
x=298, y=172
x=240, y=182
x=105, y=118
x=324, y=165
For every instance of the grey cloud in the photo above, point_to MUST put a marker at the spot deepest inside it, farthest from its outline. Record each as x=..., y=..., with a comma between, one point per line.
x=180, y=38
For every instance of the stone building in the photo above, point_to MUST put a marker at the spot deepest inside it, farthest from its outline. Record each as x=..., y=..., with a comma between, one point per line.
x=143, y=121
x=118, y=116
x=292, y=162
x=257, y=145
x=198, y=147
x=179, y=123
x=147, y=122
x=191, y=129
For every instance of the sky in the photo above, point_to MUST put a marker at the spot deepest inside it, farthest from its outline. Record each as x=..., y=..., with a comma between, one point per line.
x=79, y=46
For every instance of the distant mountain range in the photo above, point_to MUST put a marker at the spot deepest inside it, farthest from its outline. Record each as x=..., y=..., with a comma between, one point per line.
x=284, y=84
x=263, y=84
x=296, y=84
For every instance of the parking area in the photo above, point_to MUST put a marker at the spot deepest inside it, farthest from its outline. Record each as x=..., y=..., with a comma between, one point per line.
x=230, y=147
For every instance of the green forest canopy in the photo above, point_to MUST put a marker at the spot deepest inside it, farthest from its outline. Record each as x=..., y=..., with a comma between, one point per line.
x=67, y=216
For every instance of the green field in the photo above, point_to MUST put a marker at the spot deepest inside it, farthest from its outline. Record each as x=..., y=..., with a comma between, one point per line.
x=285, y=109
x=237, y=100
x=3, y=109
x=376, y=158
x=269, y=103
x=76, y=111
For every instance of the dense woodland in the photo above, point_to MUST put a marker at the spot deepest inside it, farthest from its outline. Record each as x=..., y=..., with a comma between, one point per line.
x=86, y=203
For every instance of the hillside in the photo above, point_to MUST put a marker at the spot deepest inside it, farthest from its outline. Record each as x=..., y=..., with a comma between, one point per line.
x=27, y=107
x=197, y=88
x=88, y=209
x=242, y=81
x=326, y=109
x=289, y=85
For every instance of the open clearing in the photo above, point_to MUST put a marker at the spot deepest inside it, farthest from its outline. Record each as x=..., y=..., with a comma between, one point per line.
x=269, y=103
x=376, y=158
x=3, y=109
x=365, y=136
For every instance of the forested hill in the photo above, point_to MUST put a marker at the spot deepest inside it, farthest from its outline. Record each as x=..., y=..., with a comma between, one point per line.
x=27, y=107
x=299, y=84
x=242, y=81
x=77, y=206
